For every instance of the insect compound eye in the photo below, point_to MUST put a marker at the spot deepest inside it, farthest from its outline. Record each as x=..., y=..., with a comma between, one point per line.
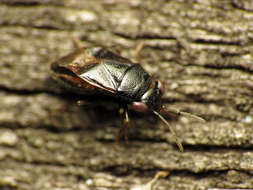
x=160, y=86
x=140, y=107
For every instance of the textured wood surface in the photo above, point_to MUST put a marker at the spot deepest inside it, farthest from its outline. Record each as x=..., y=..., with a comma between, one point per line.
x=202, y=50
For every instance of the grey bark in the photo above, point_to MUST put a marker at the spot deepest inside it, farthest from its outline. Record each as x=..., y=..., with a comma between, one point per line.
x=202, y=50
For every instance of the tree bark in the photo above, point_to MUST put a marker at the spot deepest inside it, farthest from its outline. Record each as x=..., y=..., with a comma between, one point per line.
x=201, y=50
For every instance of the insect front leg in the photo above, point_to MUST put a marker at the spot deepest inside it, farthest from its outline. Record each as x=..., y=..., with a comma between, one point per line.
x=123, y=111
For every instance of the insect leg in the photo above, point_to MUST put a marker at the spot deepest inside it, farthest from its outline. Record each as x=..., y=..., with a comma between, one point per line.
x=77, y=43
x=83, y=103
x=137, y=51
x=125, y=121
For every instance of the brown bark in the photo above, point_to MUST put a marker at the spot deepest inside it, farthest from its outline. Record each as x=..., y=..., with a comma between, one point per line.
x=202, y=50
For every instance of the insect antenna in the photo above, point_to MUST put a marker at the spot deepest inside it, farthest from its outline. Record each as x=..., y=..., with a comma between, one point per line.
x=181, y=113
x=178, y=141
x=186, y=114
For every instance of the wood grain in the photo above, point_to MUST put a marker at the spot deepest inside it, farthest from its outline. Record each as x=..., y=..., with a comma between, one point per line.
x=202, y=50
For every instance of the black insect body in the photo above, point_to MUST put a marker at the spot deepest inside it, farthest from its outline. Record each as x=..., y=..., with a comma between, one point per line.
x=98, y=71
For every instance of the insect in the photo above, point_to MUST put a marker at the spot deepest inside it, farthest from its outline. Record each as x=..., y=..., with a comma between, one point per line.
x=99, y=72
